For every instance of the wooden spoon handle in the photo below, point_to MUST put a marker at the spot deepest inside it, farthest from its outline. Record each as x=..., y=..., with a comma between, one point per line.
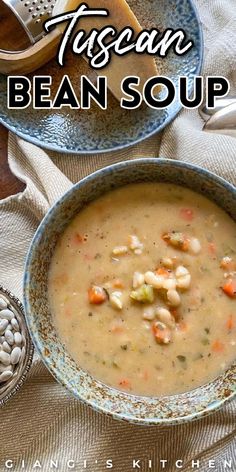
x=30, y=59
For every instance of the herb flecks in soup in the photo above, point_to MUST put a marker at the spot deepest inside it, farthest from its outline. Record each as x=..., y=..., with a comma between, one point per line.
x=142, y=289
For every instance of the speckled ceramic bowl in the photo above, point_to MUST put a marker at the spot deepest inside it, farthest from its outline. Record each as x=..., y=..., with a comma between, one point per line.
x=120, y=405
x=96, y=130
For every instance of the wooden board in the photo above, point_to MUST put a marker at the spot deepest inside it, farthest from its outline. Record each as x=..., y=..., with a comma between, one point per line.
x=9, y=184
x=120, y=17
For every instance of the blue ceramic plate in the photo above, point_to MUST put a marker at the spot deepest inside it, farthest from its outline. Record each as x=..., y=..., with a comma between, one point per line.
x=95, y=130
x=136, y=409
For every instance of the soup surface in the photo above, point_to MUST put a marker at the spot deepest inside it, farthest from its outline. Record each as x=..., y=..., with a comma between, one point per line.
x=142, y=289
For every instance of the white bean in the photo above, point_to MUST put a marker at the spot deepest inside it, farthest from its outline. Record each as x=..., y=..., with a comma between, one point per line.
x=3, y=304
x=194, y=246
x=6, y=347
x=120, y=250
x=18, y=339
x=184, y=282
x=181, y=271
x=9, y=337
x=3, y=325
x=115, y=300
x=6, y=314
x=5, y=358
x=149, y=314
x=15, y=355
x=138, y=280
x=135, y=244
x=23, y=352
x=3, y=368
x=173, y=298
x=3, y=297
x=146, y=325
x=167, y=262
x=15, y=324
x=155, y=281
x=165, y=316
x=4, y=376
x=183, y=277
x=169, y=284
x=14, y=311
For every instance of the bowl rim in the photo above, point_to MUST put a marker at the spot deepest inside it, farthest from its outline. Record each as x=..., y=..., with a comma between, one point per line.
x=29, y=350
x=54, y=147
x=217, y=404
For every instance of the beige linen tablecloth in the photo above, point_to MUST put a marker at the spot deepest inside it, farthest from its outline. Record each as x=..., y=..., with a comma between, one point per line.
x=43, y=422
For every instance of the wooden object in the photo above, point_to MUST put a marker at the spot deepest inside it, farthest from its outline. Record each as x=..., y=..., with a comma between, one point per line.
x=17, y=55
x=9, y=184
x=12, y=36
x=32, y=58
x=120, y=16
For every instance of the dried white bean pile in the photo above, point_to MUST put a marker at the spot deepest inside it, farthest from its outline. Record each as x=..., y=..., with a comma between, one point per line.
x=12, y=341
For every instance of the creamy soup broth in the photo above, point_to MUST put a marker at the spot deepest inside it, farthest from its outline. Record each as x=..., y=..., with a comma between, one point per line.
x=142, y=289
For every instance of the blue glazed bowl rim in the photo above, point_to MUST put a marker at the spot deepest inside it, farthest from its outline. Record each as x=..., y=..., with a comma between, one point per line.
x=218, y=403
x=54, y=147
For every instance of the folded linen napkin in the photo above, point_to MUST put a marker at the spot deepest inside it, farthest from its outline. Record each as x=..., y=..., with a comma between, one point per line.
x=44, y=422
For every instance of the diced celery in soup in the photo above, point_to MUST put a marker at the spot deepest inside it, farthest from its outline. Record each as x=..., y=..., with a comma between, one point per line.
x=142, y=289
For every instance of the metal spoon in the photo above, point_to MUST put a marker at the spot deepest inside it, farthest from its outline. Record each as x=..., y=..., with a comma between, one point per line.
x=220, y=103
x=223, y=121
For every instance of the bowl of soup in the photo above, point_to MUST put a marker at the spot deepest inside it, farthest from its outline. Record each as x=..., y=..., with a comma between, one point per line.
x=130, y=291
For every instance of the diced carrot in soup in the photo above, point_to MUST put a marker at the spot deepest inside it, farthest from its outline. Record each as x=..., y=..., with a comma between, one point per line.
x=182, y=326
x=116, y=328
x=228, y=264
x=118, y=283
x=96, y=295
x=162, y=271
x=218, y=346
x=212, y=248
x=161, y=333
x=77, y=239
x=186, y=214
x=145, y=375
x=125, y=383
x=230, y=323
x=229, y=288
x=88, y=257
